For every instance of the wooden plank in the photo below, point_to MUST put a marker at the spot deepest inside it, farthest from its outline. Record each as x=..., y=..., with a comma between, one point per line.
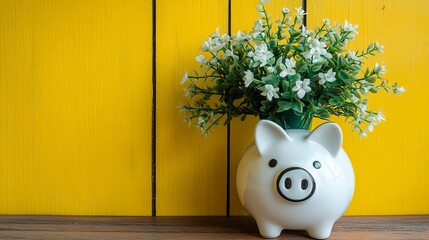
x=64, y=227
x=243, y=16
x=191, y=169
x=75, y=103
x=391, y=166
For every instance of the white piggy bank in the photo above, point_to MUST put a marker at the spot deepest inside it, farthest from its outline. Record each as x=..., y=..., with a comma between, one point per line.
x=295, y=179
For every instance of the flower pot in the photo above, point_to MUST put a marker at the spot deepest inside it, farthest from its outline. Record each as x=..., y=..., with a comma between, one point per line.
x=289, y=120
x=295, y=179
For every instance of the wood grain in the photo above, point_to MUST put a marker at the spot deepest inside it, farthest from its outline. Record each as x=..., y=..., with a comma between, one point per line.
x=391, y=165
x=65, y=227
x=191, y=169
x=75, y=107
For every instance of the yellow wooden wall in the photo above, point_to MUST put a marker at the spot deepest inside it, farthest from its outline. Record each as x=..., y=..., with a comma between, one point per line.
x=76, y=107
x=191, y=169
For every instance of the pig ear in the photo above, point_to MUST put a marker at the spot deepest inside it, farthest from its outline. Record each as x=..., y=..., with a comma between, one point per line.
x=267, y=133
x=328, y=135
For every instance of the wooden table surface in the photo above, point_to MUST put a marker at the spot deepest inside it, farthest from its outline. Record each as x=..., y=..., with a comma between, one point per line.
x=77, y=227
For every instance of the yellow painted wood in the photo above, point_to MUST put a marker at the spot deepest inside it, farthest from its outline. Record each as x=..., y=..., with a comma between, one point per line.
x=75, y=107
x=191, y=169
x=392, y=165
x=244, y=14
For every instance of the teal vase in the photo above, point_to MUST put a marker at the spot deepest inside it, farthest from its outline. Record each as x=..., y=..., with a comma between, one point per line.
x=289, y=120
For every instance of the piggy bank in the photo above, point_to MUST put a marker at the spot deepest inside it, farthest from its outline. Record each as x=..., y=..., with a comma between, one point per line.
x=295, y=179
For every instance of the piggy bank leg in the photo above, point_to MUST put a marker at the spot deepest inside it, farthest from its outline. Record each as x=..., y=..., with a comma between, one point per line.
x=321, y=231
x=268, y=229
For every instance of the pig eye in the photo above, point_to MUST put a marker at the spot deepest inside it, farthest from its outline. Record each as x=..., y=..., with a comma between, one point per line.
x=317, y=164
x=272, y=163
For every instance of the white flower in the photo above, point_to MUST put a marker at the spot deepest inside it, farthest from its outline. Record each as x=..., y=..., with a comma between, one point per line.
x=300, y=12
x=263, y=1
x=212, y=45
x=362, y=110
x=370, y=127
x=287, y=68
x=285, y=10
x=260, y=8
x=399, y=90
x=213, y=61
x=200, y=59
x=286, y=71
x=379, y=117
x=302, y=87
x=270, y=92
x=185, y=77
x=379, y=47
x=216, y=33
x=327, y=77
x=364, y=88
x=224, y=38
x=241, y=36
x=290, y=63
x=352, y=55
x=317, y=50
x=363, y=134
x=326, y=21
x=201, y=122
x=257, y=27
x=305, y=32
x=379, y=69
x=271, y=69
x=248, y=78
x=262, y=54
x=230, y=53
x=348, y=27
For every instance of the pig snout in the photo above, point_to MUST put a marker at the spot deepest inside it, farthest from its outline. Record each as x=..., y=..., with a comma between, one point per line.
x=295, y=184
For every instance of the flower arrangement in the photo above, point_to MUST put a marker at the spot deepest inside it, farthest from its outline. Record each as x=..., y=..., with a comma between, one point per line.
x=289, y=75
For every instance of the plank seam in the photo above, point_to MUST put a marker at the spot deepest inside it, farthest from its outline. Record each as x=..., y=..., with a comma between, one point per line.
x=228, y=138
x=304, y=7
x=153, y=161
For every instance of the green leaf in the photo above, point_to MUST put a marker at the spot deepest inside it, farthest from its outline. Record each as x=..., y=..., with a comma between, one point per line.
x=287, y=49
x=317, y=66
x=254, y=64
x=272, y=43
x=340, y=61
x=334, y=101
x=283, y=106
x=285, y=85
x=294, y=78
x=371, y=80
x=297, y=107
x=286, y=95
x=334, y=91
x=373, y=90
x=343, y=75
x=265, y=106
x=323, y=113
x=304, y=68
x=271, y=61
x=299, y=48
